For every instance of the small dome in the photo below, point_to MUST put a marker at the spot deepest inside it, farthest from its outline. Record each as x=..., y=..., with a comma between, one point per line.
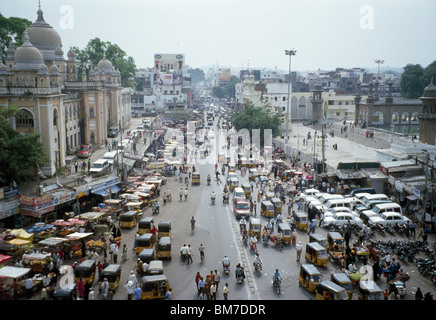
x=71, y=55
x=59, y=53
x=54, y=71
x=104, y=64
x=430, y=90
x=27, y=57
x=10, y=52
x=43, y=70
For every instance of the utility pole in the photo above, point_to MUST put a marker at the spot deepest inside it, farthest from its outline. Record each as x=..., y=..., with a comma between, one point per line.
x=289, y=53
x=323, y=148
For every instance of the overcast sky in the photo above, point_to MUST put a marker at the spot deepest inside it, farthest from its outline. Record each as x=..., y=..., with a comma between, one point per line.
x=241, y=33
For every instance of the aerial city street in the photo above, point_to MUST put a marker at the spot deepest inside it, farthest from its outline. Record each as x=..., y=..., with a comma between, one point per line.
x=178, y=183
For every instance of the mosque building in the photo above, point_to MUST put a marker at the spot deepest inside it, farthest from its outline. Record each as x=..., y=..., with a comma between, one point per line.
x=64, y=112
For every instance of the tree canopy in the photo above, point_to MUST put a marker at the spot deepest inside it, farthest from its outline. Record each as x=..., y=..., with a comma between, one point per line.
x=11, y=33
x=197, y=75
x=252, y=117
x=228, y=91
x=89, y=57
x=19, y=151
x=415, y=78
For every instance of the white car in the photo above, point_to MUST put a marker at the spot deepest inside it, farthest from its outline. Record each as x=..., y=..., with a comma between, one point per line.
x=388, y=218
x=341, y=219
x=211, y=134
x=305, y=193
x=313, y=202
x=335, y=210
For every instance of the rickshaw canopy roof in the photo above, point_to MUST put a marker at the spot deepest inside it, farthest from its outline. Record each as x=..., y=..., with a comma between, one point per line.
x=147, y=219
x=284, y=226
x=334, y=235
x=341, y=277
x=316, y=246
x=153, y=278
x=267, y=203
x=86, y=264
x=370, y=286
x=146, y=236
x=145, y=253
x=328, y=284
x=111, y=269
x=301, y=214
x=165, y=223
x=310, y=268
x=317, y=237
x=128, y=214
x=165, y=241
x=255, y=221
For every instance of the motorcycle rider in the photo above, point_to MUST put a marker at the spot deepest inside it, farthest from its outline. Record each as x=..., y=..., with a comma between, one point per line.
x=277, y=278
x=213, y=196
x=257, y=261
x=208, y=179
x=239, y=271
x=253, y=243
x=242, y=224
x=226, y=263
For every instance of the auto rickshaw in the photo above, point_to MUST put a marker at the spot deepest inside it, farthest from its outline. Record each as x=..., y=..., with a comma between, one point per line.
x=309, y=277
x=369, y=290
x=267, y=209
x=195, y=178
x=66, y=292
x=145, y=241
x=147, y=255
x=269, y=195
x=128, y=219
x=252, y=174
x=234, y=183
x=247, y=189
x=163, y=248
x=316, y=254
x=145, y=225
x=255, y=227
x=342, y=279
x=335, y=242
x=86, y=271
x=301, y=220
x=164, y=229
x=113, y=274
x=155, y=267
x=134, y=206
x=328, y=290
x=285, y=229
x=154, y=287
x=232, y=167
x=277, y=205
x=317, y=237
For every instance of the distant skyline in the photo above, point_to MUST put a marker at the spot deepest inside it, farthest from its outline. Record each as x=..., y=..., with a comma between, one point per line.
x=248, y=33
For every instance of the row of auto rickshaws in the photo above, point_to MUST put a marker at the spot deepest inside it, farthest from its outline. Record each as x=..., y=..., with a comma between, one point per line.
x=338, y=287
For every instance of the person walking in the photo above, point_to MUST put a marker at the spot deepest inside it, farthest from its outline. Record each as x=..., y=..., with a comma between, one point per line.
x=137, y=292
x=115, y=253
x=213, y=290
x=299, y=248
x=226, y=291
x=217, y=279
x=189, y=254
x=104, y=289
x=129, y=287
x=201, y=284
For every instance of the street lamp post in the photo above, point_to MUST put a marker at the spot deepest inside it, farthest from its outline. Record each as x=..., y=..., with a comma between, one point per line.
x=289, y=53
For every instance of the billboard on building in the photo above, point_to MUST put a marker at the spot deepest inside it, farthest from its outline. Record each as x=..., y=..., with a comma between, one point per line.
x=223, y=76
x=168, y=62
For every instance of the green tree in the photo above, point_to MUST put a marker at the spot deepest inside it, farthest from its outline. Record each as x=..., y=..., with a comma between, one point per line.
x=89, y=57
x=410, y=82
x=219, y=92
x=252, y=117
x=11, y=33
x=19, y=151
x=429, y=75
x=230, y=86
x=197, y=75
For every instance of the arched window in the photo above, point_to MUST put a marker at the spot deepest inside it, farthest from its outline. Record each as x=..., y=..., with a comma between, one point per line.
x=92, y=137
x=91, y=112
x=377, y=118
x=55, y=117
x=395, y=118
x=24, y=119
x=405, y=118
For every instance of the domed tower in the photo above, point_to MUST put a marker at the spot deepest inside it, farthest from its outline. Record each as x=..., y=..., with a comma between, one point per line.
x=71, y=66
x=45, y=38
x=427, y=119
x=9, y=59
x=317, y=102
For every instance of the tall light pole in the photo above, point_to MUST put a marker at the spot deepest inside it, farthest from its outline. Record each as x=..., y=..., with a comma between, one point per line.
x=379, y=62
x=289, y=53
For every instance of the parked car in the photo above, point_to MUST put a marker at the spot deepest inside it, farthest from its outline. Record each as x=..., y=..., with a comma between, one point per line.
x=99, y=167
x=335, y=210
x=242, y=209
x=305, y=193
x=112, y=132
x=341, y=219
x=85, y=151
x=388, y=218
x=381, y=208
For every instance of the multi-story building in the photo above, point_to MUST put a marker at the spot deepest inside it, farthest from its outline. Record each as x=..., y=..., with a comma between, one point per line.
x=39, y=81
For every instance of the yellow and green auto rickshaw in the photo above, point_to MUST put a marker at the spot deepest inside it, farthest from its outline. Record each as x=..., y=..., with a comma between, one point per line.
x=163, y=248
x=335, y=242
x=247, y=190
x=147, y=255
x=285, y=229
x=145, y=241
x=317, y=237
x=255, y=227
x=301, y=220
x=196, y=178
x=154, y=287
x=234, y=183
x=328, y=290
x=342, y=279
x=277, y=205
x=66, y=292
x=309, y=277
x=369, y=290
x=113, y=274
x=164, y=229
x=269, y=195
x=267, y=209
x=316, y=254
x=128, y=219
x=86, y=271
x=252, y=174
x=145, y=225
x=232, y=167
